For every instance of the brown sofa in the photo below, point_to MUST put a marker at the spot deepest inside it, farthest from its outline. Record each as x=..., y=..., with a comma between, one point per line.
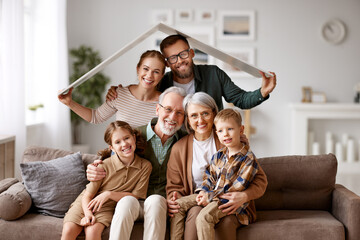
x=302, y=201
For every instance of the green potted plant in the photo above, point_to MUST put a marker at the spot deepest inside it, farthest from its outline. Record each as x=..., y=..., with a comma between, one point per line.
x=89, y=93
x=35, y=115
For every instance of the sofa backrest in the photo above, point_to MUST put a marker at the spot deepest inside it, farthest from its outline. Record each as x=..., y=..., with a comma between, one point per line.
x=36, y=153
x=298, y=182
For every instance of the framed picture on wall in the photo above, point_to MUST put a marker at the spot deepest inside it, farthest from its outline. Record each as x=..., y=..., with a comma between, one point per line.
x=205, y=16
x=204, y=34
x=245, y=54
x=156, y=39
x=239, y=25
x=165, y=16
x=184, y=15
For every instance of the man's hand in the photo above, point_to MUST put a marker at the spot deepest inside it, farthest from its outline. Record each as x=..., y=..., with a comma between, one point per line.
x=268, y=84
x=94, y=173
x=88, y=220
x=202, y=199
x=96, y=203
x=173, y=206
x=111, y=94
x=236, y=200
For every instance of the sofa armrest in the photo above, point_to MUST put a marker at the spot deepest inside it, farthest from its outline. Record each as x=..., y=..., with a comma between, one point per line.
x=346, y=208
x=14, y=202
x=6, y=183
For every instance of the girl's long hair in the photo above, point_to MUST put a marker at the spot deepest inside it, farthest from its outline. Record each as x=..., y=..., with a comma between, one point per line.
x=140, y=142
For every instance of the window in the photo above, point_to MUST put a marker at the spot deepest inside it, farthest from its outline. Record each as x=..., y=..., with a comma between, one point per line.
x=33, y=84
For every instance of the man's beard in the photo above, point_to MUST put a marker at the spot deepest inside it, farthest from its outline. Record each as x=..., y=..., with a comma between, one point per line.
x=187, y=74
x=166, y=130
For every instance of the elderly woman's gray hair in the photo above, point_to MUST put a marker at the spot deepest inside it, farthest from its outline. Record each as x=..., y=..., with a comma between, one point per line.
x=199, y=98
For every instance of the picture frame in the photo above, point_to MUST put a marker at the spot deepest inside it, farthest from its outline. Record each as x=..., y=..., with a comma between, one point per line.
x=205, y=34
x=318, y=97
x=165, y=16
x=205, y=15
x=236, y=25
x=306, y=95
x=184, y=15
x=245, y=54
x=156, y=39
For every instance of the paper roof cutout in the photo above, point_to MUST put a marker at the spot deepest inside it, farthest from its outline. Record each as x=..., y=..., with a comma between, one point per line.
x=235, y=62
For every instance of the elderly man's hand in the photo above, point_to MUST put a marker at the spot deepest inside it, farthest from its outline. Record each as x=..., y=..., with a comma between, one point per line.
x=94, y=173
x=112, y=94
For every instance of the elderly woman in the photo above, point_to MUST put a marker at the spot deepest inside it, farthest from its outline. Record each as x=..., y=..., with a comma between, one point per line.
x=188, y=159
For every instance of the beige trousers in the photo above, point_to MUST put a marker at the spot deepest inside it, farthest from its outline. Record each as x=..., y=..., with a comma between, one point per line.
x=153, y=211
x=205, y=221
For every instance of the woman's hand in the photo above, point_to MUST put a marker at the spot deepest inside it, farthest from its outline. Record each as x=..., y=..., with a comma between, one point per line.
x=66, y=98
x=88, y=220
x=236, y=200
x=96, y=203
x=202, y=199
x=94, y=173
x=111, y=94
x=173, y=206
x=244, y=139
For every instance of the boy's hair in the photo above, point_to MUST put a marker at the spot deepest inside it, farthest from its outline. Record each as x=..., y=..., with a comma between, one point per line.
x=170, y=40
x=228, y=113
x=140, y=142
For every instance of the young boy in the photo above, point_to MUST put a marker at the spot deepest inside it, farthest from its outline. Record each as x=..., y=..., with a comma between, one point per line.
x=231, y=169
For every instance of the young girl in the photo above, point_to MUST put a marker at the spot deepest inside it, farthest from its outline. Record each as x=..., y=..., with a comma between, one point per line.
x=126, y=175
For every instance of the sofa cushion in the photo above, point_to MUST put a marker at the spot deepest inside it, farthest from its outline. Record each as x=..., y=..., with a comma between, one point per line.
x=298, y=182
x=36, y=153
x=14, y=202
x=53, y=185
x=6, y=183
x=293, y=225
x=37, y=226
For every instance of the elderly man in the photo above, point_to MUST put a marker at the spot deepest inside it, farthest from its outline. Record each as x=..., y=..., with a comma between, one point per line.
x=161, y=134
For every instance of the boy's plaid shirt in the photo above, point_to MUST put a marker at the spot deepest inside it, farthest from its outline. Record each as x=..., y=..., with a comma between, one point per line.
x=233, y=174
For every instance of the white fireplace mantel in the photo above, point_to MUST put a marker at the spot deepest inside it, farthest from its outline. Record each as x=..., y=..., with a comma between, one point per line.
x=302, y=113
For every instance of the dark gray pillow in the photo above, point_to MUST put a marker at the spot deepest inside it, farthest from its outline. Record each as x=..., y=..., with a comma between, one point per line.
x=53, y=185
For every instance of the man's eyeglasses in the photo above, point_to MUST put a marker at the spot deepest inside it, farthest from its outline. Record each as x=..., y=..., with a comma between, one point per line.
x=174, y=58
x=203, y=115
x=169, y=110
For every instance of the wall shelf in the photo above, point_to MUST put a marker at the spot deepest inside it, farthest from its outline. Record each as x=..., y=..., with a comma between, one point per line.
x=7, y=156
x=303, y=113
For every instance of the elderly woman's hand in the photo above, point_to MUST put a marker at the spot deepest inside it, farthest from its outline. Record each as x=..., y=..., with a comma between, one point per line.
x=244, y=139
x=236, y=200
x=173, y=206
x=94, y=173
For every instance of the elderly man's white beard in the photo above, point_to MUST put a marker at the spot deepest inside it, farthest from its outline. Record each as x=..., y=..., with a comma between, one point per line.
x=168, y=130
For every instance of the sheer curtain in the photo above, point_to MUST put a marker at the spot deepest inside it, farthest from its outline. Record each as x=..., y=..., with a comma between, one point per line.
x=49, y=69
x=12, y=109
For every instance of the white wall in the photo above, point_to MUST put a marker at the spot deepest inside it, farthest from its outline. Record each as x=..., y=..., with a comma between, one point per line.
x=288, y=41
